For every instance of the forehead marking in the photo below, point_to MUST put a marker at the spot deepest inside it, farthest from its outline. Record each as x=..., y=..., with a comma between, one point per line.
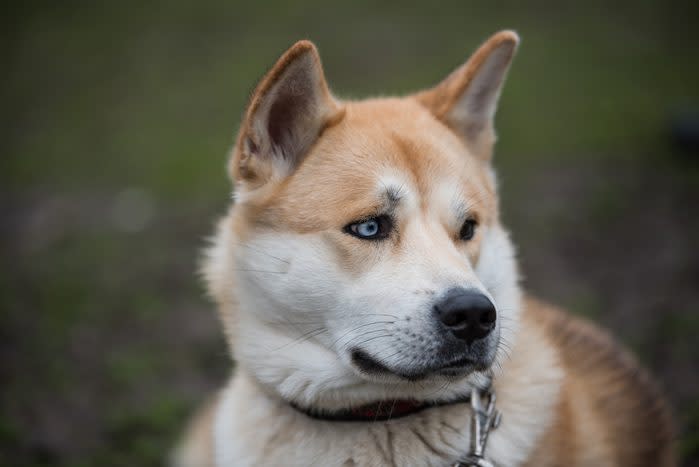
x=394, y=190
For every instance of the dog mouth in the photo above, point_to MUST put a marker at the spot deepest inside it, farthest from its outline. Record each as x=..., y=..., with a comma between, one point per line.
x=451, y=368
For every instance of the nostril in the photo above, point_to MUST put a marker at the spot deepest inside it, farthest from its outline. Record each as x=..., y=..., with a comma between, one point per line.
x=488, y=316
x=453, y=318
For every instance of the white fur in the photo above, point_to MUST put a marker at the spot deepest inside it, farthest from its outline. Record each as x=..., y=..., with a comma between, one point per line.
x=292, y=288
x=253, y=427
x=298, y=313
x=308, y=312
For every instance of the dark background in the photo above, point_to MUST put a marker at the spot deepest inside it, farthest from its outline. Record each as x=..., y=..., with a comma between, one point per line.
x=116, y=120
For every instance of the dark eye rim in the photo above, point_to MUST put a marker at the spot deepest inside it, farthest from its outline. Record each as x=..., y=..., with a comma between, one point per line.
x=468, y=229
x=385, y=227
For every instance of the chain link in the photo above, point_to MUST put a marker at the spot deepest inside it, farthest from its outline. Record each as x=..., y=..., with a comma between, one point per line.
x=485, y=417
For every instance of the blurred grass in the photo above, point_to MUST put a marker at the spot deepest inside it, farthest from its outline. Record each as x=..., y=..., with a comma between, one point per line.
x=139, y=93
x=108, y=342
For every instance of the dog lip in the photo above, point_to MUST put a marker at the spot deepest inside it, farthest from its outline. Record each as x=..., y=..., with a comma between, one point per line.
x=368, y=364
x=459, y=363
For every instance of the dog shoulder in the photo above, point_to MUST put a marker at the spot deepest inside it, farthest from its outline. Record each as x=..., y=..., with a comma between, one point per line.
x=611, y=412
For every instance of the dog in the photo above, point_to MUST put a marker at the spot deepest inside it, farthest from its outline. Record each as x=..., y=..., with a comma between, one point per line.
x=370, y=296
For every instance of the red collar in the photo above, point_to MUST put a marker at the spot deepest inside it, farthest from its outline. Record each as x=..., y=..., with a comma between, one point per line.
x=377, y=411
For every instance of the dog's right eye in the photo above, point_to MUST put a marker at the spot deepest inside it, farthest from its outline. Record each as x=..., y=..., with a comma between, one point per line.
x=375, y=228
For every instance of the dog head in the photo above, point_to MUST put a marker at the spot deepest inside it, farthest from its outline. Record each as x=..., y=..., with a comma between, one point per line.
x=364, y=257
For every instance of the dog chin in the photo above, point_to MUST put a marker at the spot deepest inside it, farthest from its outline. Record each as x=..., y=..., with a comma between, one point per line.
x=449, y=370
x=310, y=375
x=360, y=391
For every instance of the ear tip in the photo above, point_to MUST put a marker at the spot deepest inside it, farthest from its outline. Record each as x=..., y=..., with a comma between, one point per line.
x=509, y=36
x=302, y=50
x=301, y=47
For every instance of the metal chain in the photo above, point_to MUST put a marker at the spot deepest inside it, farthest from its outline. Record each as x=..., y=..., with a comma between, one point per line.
x=484, y=418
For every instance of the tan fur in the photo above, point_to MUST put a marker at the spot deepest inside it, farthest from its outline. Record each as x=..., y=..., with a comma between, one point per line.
x=569, y=395
x=612, y=413
x=245, y=167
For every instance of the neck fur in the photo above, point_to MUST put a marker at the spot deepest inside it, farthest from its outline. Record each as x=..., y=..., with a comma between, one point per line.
x=255, y=426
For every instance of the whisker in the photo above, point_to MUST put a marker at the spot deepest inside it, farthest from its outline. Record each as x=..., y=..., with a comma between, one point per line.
x=259, y=270
x=360, y=327
x=365, y=341
x=245, y=245
x=305, y=337
x=325, y=320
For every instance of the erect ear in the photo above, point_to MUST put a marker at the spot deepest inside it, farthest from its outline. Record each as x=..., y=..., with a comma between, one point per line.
x=467, y=99
x=289, y=109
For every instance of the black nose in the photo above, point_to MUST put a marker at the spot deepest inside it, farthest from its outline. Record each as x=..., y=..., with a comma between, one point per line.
x=469, y=315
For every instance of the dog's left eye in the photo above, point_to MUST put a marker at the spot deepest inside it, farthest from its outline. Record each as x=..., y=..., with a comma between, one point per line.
x=468, y=230
x=375, y=228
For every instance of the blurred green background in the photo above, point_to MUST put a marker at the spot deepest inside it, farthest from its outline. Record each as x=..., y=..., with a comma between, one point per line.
x=116, y=120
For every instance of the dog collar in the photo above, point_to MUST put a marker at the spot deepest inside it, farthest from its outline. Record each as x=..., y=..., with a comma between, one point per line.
x=485, y=417
x=378, y=411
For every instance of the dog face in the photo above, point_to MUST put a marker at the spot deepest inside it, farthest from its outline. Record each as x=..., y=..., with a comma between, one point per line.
x=364, y=258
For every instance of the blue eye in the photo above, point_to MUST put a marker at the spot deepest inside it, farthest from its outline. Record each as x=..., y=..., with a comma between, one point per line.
x=375, y=228
x=368, y=228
